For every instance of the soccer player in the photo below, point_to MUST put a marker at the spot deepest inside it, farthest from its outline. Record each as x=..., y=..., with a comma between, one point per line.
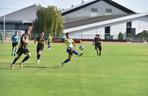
x=97, y=43
x=40, y=45
x=49, y=42
x=71, y=48
x=15, y=40
x=23, y=49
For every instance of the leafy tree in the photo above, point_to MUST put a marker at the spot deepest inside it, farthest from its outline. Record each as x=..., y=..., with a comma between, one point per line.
x=143, y=34
x=49, y=20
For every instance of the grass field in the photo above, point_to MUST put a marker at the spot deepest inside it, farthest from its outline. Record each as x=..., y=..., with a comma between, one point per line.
x=122, y=70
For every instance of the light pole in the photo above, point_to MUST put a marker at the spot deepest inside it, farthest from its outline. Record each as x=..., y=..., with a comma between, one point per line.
x=4, y=27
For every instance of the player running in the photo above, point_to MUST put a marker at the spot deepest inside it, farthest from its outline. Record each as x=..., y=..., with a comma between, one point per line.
x=15, y=40
x=40, y=45
x=49, y=42
x=97, y=43
x=71, y=48
x=23, y=49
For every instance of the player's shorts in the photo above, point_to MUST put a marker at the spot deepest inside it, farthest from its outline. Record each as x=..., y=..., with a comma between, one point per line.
x=14, y=44
x=70, y=50
x=49, y=44
x=98, y=46
x=22, y=51
x=40, y=47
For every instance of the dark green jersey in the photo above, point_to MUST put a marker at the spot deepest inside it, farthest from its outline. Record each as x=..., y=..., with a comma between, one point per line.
x=41, y=40
x=97, y=41
x=22, y=43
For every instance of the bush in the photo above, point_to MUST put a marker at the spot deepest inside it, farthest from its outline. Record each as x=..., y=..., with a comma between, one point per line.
x=120, y=36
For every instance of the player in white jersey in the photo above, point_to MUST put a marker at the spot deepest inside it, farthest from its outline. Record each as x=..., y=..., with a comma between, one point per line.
x=71, y=49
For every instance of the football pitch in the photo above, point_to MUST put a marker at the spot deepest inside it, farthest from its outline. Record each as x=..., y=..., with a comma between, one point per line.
x=122, y=70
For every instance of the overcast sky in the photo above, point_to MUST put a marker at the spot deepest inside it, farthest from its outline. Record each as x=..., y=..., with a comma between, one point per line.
x=7, y=6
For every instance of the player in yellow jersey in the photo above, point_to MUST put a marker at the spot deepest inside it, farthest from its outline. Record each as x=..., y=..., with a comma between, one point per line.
x=71, y=49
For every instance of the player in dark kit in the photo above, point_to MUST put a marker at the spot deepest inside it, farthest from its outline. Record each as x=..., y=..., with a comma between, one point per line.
x=97, y=43
x=23, y=49
x=40, y=45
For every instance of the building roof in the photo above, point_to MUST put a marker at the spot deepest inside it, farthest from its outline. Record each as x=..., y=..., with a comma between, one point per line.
x=103, y=22
x=27, y=14
x=92, y=20
x=83, y=5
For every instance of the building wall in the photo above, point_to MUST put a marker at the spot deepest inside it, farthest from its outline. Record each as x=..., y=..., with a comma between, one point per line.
x=86, y=12
x=115, y=28
x=88, y=33
x=140, y=24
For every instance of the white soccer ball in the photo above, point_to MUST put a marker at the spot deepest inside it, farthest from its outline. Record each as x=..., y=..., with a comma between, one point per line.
x=81, y=47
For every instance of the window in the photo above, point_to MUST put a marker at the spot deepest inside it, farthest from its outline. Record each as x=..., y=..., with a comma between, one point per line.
x=107, y=33
x=94, y=10
x=129, y=24
x=107, y=10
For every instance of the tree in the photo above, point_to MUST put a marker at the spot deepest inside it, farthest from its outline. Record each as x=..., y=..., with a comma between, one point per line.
x=120, y=36
x=49, y=20
x=143, y=34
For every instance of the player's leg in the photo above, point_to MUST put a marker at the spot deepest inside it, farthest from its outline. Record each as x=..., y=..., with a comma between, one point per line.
x=97, y=51
x=76, y=53
x=70, y=53
x=67, y=60
x=15, y=59
x=15, y=49
x=28, y=55
x=100, y=50
x=49, y=45
x=12, y=51
x=38, y=56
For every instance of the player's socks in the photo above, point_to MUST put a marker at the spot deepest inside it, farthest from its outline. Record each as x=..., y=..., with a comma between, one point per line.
x=62, y=64
x=12, y=66
x=15, y=51
x=80, y=54
x=66, y=61
x=99, y=53
x=21, y=65
x=15, y=60
x=38, y=61
x=38, y=56
x=25, y=59
x=75, y=52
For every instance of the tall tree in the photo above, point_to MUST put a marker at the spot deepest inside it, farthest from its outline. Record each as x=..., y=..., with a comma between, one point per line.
x=49, y=20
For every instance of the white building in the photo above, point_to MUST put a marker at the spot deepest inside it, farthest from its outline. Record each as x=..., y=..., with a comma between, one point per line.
x=84, y=21
x=104, y=17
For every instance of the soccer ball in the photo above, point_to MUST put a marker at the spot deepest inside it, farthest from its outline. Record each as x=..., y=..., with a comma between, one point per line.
x=81, y=47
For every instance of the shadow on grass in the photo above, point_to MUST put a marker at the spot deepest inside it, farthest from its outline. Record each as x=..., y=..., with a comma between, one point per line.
x=4, y=68
x=39, y=67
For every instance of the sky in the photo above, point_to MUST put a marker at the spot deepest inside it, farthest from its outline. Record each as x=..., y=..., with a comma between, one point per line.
x=8, y=6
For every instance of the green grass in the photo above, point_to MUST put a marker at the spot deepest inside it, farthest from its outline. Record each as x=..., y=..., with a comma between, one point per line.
x=122, y=70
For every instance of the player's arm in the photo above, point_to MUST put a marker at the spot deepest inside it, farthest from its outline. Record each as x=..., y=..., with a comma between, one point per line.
x=11, y=38
x=101, y=40
x=46, y=41
x=35, y=41
x=93, y=42
x=25, y=40
x=74, y=44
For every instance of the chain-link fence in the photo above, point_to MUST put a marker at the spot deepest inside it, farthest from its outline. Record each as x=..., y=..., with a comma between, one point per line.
x=8, y=34
x=137, y=39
